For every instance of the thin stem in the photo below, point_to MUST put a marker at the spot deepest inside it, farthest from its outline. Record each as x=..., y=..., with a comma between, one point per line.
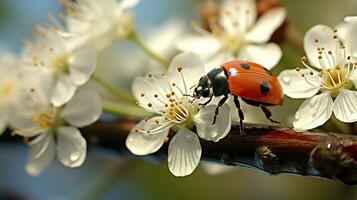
x=113, y=89
x=134, y=37
x=124, y=109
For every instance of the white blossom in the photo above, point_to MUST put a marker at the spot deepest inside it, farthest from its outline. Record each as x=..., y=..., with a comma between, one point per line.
x=63, y=55
x=165, y=96
x=52, y=131
x=326, y=80
x=237, y=34
x=100, y=21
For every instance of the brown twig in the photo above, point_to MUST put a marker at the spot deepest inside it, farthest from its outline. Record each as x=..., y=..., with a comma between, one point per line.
x=271, y=149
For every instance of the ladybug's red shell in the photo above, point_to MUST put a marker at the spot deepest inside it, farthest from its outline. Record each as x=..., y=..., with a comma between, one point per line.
x=253, y=82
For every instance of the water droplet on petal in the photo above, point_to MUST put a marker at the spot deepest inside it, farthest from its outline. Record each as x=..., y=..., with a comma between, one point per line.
x=214, y=133
x=297, y=115
x=75, y=156
x=286, y=79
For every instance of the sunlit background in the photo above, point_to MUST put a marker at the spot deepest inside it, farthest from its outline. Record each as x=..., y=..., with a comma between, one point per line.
x=105, y=175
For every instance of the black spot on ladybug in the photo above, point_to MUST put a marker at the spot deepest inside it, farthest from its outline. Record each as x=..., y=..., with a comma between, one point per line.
x=268, y=71
x=264, y=88
x=245, y=66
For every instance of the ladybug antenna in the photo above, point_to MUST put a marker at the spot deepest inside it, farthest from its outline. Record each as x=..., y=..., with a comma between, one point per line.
x=188, y=95
x=192, y=87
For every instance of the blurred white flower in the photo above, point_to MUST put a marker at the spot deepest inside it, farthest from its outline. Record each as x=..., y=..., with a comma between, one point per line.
x=165, y=96
x=64, y=56
x=52, y=131
x=10, y=86
x=236, y=34
x=326, y=81
x=100, y=21
x=351, y=19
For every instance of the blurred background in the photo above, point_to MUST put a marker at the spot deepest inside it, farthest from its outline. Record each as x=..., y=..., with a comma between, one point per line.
x=105, y=175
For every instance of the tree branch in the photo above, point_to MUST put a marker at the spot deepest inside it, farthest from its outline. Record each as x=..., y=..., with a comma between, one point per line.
x=267, y=148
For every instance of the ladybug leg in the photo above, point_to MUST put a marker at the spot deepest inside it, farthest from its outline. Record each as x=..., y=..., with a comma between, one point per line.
x=205, y=103
x=240, y=114
x=220, y=103
x=268, y=114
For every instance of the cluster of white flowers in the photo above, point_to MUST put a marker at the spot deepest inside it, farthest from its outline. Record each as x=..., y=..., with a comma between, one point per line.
x=43, y=99
x=41, y=94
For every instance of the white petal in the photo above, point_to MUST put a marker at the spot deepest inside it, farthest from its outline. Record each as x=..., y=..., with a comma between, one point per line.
x=314, y=112
x=324, y=35
x=145, y=89
x=347, y=33
x=184, y=152
x=192, y=70
x=63, y=91
x=204, y=45
x=345, y=106
x=267, y=55
x=351, y=19
x=142, y=143
x=71, y=146
x=266, y=25
x=82, y=65
x=127, y=4
x=83, y=109
x=217, y=60
x=204, y=119
x=42, y=152
x=242, y=12
x=3, y=121
x=295, y=86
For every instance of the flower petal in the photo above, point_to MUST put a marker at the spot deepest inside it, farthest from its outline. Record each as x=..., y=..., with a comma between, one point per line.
x=82, y=65
x=184, y=152
x=296, y=86
x=204, y=120
x=267, y=55
x=217, y=60
x=242, y=12
x=204, y=45
x=3, y=120
x=84, y=109
x=140, y=143
x=351, y=19
x=347, y=33
x=42, y=152
x=266, y=25
x=192, y=69
x=321, y=36
x=345, y=106
x=63, y=91
x=127, y=4
x=314, y=112
x=71, y=146
x=146, y=89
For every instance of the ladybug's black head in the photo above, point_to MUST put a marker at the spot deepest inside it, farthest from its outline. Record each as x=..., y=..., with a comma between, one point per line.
x=204, y=88
x=212, y=84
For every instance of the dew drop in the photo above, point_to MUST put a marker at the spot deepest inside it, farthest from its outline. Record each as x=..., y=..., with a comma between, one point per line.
x=286, y=79
x=75, y=156
x=214, y=133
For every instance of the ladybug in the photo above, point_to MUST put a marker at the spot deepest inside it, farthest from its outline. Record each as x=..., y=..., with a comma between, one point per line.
x=250, y=81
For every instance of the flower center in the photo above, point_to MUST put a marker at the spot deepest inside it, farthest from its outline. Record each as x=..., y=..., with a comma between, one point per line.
x=45, y=118
x=60, y=64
